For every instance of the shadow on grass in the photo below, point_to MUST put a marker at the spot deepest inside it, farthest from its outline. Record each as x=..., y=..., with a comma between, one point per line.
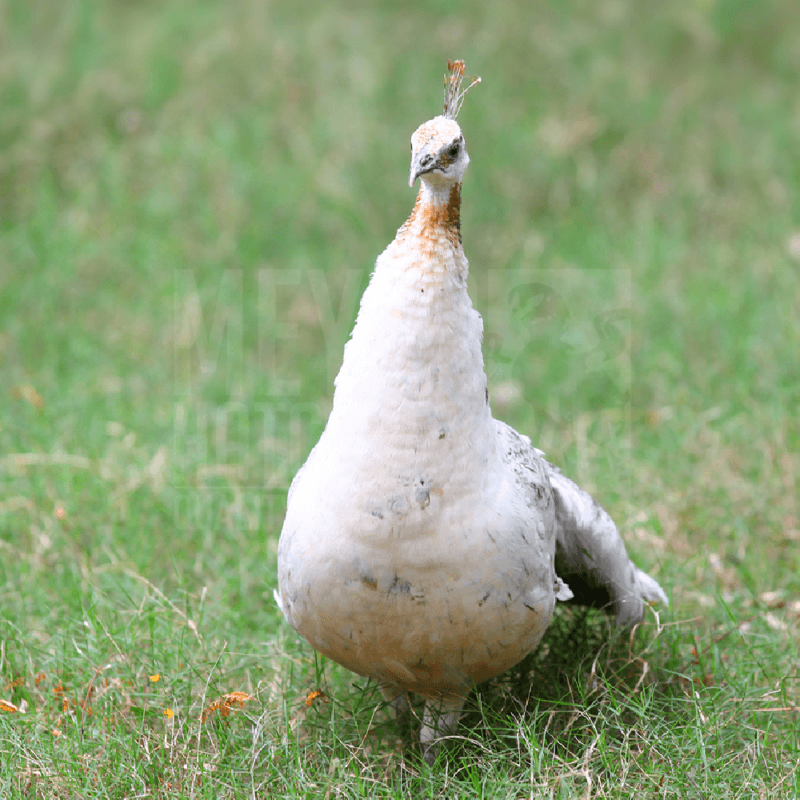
x=582, y=678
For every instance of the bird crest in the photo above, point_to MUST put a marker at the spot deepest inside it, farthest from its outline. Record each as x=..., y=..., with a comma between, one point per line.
x=453, y=95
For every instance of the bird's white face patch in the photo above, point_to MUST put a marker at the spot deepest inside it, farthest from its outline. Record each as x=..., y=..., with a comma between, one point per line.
x=435, y=134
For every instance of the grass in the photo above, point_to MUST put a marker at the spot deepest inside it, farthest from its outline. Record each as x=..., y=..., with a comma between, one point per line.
x=191, y=199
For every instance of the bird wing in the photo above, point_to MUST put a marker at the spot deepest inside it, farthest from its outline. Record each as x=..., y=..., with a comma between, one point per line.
x=591, y=556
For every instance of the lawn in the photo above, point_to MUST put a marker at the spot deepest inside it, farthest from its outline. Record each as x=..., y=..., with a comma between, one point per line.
x=192, y=196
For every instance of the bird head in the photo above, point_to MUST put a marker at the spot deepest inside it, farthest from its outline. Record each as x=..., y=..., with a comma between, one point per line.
x=437, y=146
x=438, y=152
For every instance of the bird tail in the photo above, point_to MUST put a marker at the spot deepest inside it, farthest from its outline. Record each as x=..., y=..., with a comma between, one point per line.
x=649, y=589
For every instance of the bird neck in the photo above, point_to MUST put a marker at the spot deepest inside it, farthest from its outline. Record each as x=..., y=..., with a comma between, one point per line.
x=413, y=370
x=436, y=214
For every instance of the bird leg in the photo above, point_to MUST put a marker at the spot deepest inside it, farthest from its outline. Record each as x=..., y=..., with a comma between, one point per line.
x=400, y=701
x=439, y=719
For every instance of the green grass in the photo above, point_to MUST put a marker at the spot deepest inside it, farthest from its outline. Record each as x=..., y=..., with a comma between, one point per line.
x=192, y=196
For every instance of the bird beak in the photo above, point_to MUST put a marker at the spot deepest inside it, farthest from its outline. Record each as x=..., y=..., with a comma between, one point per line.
x=421, y=163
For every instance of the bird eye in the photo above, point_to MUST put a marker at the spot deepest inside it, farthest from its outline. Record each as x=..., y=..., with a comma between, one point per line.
x=453, y=151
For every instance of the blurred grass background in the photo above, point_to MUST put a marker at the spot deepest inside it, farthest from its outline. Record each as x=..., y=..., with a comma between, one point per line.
x=192, y=196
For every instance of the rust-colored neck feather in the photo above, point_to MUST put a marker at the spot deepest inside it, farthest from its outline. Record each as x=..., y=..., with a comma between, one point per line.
x=431, y=221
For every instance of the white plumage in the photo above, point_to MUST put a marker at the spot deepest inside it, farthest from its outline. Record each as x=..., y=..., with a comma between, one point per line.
x=425, y=543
